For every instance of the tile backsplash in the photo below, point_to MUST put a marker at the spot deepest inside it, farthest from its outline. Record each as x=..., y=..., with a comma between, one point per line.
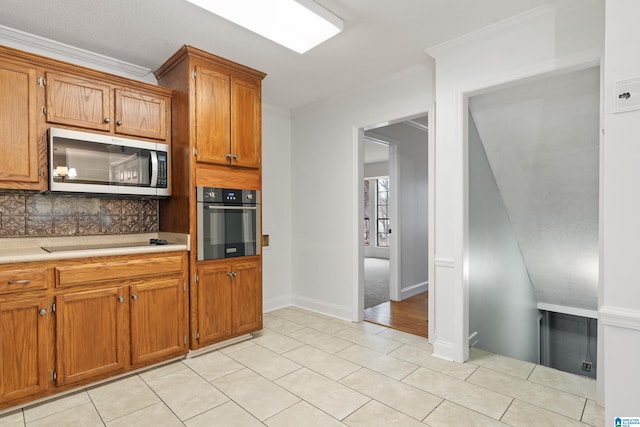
x=31, y=215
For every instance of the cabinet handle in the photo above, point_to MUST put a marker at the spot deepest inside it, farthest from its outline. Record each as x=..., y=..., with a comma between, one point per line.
x=119, y=122
x=120, y=299
x=19, y=282
x=42, y=312
x=228, y=155
x=134, y=297
x=107, y=119
x=234, y=157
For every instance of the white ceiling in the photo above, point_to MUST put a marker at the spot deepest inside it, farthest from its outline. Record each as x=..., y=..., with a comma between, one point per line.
x=380, y=37
x=376, y=143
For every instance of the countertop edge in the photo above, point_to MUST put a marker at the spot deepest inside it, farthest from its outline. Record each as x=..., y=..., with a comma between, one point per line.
x=17, y=250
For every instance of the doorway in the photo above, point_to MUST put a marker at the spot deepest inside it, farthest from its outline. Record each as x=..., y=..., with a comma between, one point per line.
x=533, y=219
x=395, y=223
x=377, y=223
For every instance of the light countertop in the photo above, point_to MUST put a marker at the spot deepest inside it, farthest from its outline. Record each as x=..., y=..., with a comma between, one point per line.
x=14, y=249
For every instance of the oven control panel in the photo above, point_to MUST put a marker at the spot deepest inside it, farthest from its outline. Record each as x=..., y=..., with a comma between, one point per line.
x=227, y=196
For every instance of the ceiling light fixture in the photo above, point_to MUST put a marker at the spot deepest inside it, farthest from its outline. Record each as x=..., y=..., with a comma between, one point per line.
x=296, y=24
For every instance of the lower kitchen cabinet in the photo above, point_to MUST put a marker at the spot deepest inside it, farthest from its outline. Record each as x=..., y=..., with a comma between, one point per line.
x=246, y=297
x=25, y=328
x=214, y=303
x=157, y=320
x=90, y=334
x=229, y=299
x=68, y=323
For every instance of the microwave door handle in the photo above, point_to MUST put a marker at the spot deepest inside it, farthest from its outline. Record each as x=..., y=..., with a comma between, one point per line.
x=153, y=158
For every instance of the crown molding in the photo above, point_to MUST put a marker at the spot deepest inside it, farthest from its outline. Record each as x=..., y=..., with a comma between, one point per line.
x=514, y=21
x=42, y=46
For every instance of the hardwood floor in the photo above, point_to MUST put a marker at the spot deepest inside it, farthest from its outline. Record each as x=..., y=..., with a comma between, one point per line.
x=410, y=315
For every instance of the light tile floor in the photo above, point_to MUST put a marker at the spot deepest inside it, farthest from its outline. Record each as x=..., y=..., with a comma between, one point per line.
x=313, y=370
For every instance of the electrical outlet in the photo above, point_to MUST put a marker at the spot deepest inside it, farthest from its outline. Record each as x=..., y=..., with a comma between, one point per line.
x=586, y=366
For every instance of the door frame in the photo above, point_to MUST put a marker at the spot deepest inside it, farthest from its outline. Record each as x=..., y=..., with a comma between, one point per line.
x=358, y=247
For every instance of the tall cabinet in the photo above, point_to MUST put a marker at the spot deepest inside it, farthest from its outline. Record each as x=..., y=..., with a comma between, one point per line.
x=216, y=142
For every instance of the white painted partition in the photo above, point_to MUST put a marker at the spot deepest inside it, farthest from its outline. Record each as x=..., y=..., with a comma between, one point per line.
x=620, y=299
x=276, y=207
x=545, y=40
x=327, y=186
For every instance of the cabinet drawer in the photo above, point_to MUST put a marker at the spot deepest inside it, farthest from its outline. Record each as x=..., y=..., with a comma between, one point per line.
x=31, y=279
x=86, y=273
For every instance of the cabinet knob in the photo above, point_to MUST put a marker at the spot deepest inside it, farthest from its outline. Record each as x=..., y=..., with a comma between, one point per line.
x=42, y=312
x=120, y=299
x=234, y=157
x=107, y=120
x=119, y=122
x=134, y=297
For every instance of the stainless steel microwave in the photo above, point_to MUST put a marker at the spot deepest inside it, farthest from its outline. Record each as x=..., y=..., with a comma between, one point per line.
x=82, y=162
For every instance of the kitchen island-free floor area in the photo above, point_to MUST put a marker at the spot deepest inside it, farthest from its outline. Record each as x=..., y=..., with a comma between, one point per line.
x=313, y=370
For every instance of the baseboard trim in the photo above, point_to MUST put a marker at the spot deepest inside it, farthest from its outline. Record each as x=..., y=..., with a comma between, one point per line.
x=272, y=304
x=323, y=307
x=620, y=317
x=414, y=290
x=443, y=350
x=217, y=346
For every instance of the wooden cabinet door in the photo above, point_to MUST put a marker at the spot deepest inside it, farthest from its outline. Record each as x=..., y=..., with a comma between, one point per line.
x=91, y=333
x=246, y=133
x=212, y=118
x=214, y=303
x=24, y=347
x=141, y=114
x=20, y=153
x=157, y=320
x=246, y=291
x=74, y=101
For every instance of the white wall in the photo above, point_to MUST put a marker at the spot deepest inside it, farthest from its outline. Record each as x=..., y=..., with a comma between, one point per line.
x=276, y=207
x=542, y=41
x=620, y=299
x=327, y=186
x=502, y=304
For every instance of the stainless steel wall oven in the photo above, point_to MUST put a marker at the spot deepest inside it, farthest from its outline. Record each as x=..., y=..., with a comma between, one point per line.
x=228, y=223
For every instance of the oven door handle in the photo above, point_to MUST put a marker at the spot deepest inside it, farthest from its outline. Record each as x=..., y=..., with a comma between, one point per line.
x=239, y=208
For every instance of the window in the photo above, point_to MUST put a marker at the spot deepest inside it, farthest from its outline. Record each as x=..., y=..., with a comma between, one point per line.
x=367, y=209
x=376, y=207
x=382, y=212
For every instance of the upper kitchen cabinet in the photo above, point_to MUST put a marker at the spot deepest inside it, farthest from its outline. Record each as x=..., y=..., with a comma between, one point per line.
x=22, y=148
x=227, y=118
x=75, y=101
x=227, y=107
x=86, y=102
